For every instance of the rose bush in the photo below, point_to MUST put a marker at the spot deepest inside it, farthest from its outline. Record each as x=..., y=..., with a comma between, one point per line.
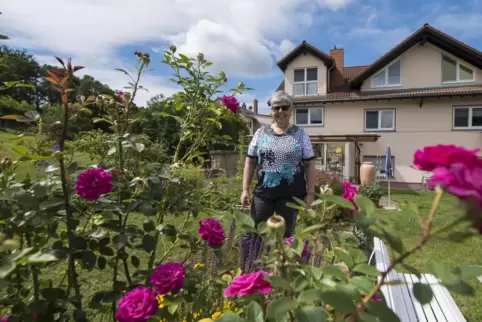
x=148, y=228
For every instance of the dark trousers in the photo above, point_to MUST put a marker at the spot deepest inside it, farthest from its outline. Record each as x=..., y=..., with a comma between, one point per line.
x=261, y=210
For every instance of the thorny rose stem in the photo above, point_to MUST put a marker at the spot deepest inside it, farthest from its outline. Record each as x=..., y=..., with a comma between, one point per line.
x=426, y=234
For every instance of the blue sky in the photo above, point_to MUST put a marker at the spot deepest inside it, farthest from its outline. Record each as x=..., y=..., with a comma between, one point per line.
x=243, y=38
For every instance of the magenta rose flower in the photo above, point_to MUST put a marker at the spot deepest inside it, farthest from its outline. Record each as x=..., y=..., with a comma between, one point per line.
x=230, y=102
x=247, y=284
x=443, y=156
x=349, y=193
x=137, y=305
x=461, y=181
x=4, y=318
x=211, y=230
x=93, y=183
x=168, y=277
x=289, y=240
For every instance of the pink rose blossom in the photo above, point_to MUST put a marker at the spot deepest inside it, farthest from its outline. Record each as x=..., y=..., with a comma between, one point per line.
x=168, y=277
x=211, y=230
x=138, y=305
x=460, y=181
x=4, y=318
x=248, y=284
x=349, y=193
x=230, y=102
x=432, y=157
x=93, y=183
x=375, y=298
x=289, y=240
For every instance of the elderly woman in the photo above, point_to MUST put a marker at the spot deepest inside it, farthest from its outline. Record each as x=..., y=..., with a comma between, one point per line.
x=284, y=157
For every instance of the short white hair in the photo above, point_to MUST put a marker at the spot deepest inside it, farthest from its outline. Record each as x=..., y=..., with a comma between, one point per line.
x=280, y=98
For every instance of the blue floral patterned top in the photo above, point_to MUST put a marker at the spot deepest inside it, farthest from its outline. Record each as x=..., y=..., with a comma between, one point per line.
x=281, y=158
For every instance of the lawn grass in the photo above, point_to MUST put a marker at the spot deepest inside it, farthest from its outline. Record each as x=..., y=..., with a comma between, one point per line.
x=406, y=226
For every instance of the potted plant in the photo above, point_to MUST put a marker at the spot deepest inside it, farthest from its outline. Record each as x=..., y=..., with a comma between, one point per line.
x=373, y=191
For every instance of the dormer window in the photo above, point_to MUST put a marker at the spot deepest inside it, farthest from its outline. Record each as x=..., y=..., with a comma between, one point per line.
x=305, y=82
x=389, y=76
x=455, y=72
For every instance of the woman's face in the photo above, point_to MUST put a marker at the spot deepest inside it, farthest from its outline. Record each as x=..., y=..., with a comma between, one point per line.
x=282, y=113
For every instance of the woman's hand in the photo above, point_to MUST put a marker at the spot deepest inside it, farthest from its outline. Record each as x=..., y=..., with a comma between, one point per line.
x=245, y=199
x=309, y=199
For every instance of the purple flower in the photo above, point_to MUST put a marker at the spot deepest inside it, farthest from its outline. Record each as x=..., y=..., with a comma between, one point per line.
x=211, y=230
x=137, y=306
x=230, y=102
x=168, y=277
x=93, y=183
x=4, y=318
x=248, y=284
x=349, y=193
x=56, y=148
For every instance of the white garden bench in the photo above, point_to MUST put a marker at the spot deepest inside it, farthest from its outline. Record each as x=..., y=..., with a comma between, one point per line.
x=400, y=297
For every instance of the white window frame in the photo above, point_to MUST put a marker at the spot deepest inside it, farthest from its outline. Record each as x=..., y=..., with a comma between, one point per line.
x=379, y=120
x=309, y=116
x=385, y=70
x=305, y=81
x=469, y=127
x=457, y=71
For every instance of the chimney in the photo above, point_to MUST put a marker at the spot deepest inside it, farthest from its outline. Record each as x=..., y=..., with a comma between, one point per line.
x=337, y=80
x=255, y=106
x=339, y=57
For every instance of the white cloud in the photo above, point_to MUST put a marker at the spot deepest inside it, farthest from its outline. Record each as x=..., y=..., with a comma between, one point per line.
x=451, y=24
x=378, y=39
x=229, y=33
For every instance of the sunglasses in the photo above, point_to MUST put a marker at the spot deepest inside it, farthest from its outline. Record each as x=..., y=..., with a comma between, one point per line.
x=281, y=108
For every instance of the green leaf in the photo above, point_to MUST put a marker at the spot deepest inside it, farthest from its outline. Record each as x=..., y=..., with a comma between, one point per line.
x=411, y=269
x=469, y=271
x=122, y=70
x=101, y=262
x=7, y=266
x=461, y=287
x=135, y=261
x=344, y=257
x=120, y=241
x=423, y=293
x=300, y=283
x=244, y=219
x=112, y=151
x=443, y=273
x=339, y=300
x=254, y=312
x=363, y=283
x=148, y=243
x=394, y=241
x=312, y=229
x=381, y=311
x=229, y=317
x=311, y=314
x=20, y=150
x=140, y=147
x=278, y=308
x=338, y=200
x=278, y=282
x=366, y=269
x=294, y=206
x=310, y=296
x=48, y=204
x=365, y=204
x=335, y=271
x=41, y=258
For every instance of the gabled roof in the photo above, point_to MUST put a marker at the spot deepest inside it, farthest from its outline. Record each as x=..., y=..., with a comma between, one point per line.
x=304, y=47
x=424, y=34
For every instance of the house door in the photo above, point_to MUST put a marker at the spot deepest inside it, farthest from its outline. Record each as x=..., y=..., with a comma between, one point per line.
x=330, y=156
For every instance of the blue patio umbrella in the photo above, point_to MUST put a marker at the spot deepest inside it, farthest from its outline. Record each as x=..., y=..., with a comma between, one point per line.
x=388, y=171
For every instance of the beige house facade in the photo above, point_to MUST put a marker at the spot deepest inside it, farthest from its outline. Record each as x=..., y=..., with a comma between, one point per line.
x=425, y=91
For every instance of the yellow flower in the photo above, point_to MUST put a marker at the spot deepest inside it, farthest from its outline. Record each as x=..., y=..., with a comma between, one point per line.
x=216, y=315
x=195, y=315
x=160, y=300
x=206, y=320
x=198, y=265
x=229, y=305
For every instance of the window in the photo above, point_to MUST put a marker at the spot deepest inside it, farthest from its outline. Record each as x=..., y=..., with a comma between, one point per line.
x=306, y=81
x=379, y=162
x=455, y=72
x=309, y=116
x=390, y=76
x=379, y=120
x=468, y=117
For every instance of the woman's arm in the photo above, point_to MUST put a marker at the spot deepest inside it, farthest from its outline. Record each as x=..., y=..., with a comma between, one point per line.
x=249, y=167
x=310, y=177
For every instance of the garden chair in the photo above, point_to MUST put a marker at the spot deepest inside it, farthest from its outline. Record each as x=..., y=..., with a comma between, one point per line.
x=400, y=297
